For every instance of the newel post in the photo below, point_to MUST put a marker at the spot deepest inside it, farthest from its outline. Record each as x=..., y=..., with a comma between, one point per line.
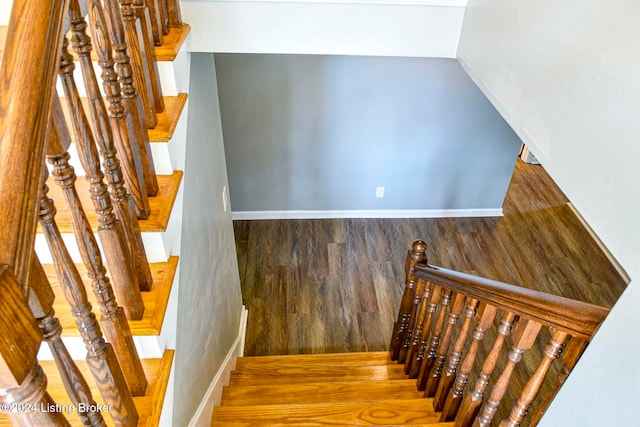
x=417, y=255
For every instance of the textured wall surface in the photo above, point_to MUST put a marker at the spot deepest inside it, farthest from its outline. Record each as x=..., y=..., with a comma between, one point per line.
x=307, y=132
x=210, y=304
x=565, y=76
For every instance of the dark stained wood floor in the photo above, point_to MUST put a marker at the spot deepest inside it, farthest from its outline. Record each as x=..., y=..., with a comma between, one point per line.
x=323, y=286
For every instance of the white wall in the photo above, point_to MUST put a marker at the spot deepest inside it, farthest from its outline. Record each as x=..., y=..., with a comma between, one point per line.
x=566, y=76
x=389, y=28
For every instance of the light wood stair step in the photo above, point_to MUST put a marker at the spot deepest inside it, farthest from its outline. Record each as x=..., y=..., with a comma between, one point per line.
x=329, y=359
x=149, y=406
x=319, y=392
x=155, y=300
x=314, y=374
x=161, y=204
x=359, y=413
x=167, y=120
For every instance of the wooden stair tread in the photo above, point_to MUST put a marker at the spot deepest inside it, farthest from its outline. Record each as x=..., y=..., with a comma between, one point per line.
x=155, y=300
x=149, y=406
x=161, y=204
x=360, y=413
x=172, y=43
x=319, y=392
x=167, y=120
x=315, y=374
x=327, y=359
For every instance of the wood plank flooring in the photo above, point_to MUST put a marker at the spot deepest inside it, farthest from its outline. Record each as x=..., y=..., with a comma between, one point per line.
x=325, y=286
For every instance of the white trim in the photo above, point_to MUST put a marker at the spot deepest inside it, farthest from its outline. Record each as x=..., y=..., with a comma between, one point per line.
x=202, y=416
x=388, y=213
x=614, y=262
x=438, y=3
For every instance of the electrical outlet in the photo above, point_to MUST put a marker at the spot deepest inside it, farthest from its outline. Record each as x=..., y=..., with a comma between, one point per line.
x=225, y=198
x=379, y=192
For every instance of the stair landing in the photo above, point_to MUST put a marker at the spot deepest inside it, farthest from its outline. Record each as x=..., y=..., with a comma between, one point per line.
x=351, y=389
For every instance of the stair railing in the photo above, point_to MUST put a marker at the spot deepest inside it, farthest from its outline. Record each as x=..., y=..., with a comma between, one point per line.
x=33, y=127
x=440, y=334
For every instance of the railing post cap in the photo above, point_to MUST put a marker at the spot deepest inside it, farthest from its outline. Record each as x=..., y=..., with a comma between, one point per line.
x=419, y=246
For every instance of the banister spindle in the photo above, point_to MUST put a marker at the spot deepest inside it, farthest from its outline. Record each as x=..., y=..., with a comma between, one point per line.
x=104, y=135
x=418, y=327
x=22, y=381
x=524, y=337
x=400, y=330
x=101, y=359
x=434, y=342
x=418, y=294
x=117, y=249
x=486, y=314
x=123, y=104
x=551, y=352
x=143, y=14
x=156, y=21
x=173, y=12
x=164, y=16
x=41, y=299
x=434, y=375
x=472, y=401
x=135, y=37
x=446, y=382
x=570, y=356
x=113, y=318
x=435, y=295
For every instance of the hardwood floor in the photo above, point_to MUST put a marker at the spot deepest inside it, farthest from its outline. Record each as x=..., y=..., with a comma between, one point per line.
x=324, y=286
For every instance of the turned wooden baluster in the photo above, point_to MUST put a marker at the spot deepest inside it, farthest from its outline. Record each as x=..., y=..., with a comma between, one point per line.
x=486, y=314
x=125, y=107
x=101, y=358
x=41, y=299
x=570, y=357
x=434, y=342
x=524, y=337
x=433, y=377
x=156, y=25
x=446, y=382
x=417, y=299
x=117, y=249
x=435, y=295
x=551, y=352
x=22, y=382
x=472, y=401
x=136, y=49
x=173, y=10
x=104, y=136
x=417, y=328
x=164, y=16
x=400, y=329
x=113, y=318
x=143, y=14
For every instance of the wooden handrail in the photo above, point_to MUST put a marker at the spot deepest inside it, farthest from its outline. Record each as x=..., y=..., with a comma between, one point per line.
x=33, y=43
x=578, y=318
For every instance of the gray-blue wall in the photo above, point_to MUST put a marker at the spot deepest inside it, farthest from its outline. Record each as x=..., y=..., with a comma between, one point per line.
x=306, y=132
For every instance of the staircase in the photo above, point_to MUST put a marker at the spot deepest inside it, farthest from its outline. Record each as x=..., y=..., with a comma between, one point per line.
x=354, y=389
x=465, y=351
x=127, y=376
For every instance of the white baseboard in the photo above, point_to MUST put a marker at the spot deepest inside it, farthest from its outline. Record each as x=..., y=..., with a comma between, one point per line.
x=614, y=262
x=388, y=213
x=203, y=414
